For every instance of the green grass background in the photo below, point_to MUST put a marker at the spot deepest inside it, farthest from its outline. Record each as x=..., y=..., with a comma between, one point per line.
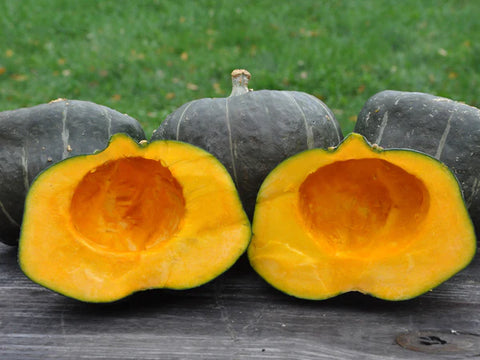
x=146, y=58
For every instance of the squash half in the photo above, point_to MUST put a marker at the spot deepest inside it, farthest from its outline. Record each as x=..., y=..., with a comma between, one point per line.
x=390, y=223
x=132, y=217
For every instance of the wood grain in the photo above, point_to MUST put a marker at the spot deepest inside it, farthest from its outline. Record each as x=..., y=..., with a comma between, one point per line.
x=236, y=316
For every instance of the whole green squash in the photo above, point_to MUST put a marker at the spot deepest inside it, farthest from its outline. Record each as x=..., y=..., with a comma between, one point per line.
x=36, y=137
x=445, y=129
x=250, y=132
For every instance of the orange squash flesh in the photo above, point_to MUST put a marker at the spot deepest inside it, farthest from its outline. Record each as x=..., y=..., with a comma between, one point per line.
x=130, y=204
x=390, y=223
x=99, y=227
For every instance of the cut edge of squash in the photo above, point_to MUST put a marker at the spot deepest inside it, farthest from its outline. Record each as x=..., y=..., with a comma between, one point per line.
x=272, y=248
x=54, y=253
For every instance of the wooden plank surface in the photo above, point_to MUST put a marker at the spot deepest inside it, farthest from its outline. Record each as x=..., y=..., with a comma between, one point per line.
x=236, y=316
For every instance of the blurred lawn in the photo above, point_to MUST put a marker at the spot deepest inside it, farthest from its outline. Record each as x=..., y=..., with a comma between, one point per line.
x=146, y=58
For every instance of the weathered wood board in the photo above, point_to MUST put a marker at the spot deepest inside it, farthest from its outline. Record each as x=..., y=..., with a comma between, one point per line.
x=236, y=316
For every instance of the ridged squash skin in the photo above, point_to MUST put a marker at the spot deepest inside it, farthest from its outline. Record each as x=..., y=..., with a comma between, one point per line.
x=250, y=132
x=445, y=129
x=129, y=218
x=389, y=223
x=34, y=138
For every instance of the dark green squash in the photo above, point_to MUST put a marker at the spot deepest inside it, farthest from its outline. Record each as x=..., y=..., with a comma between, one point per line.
x=34, y=138
x=440, y=127
x=250, y=132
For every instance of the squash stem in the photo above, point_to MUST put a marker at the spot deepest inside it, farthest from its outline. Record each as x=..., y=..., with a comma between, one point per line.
x=240, y=79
